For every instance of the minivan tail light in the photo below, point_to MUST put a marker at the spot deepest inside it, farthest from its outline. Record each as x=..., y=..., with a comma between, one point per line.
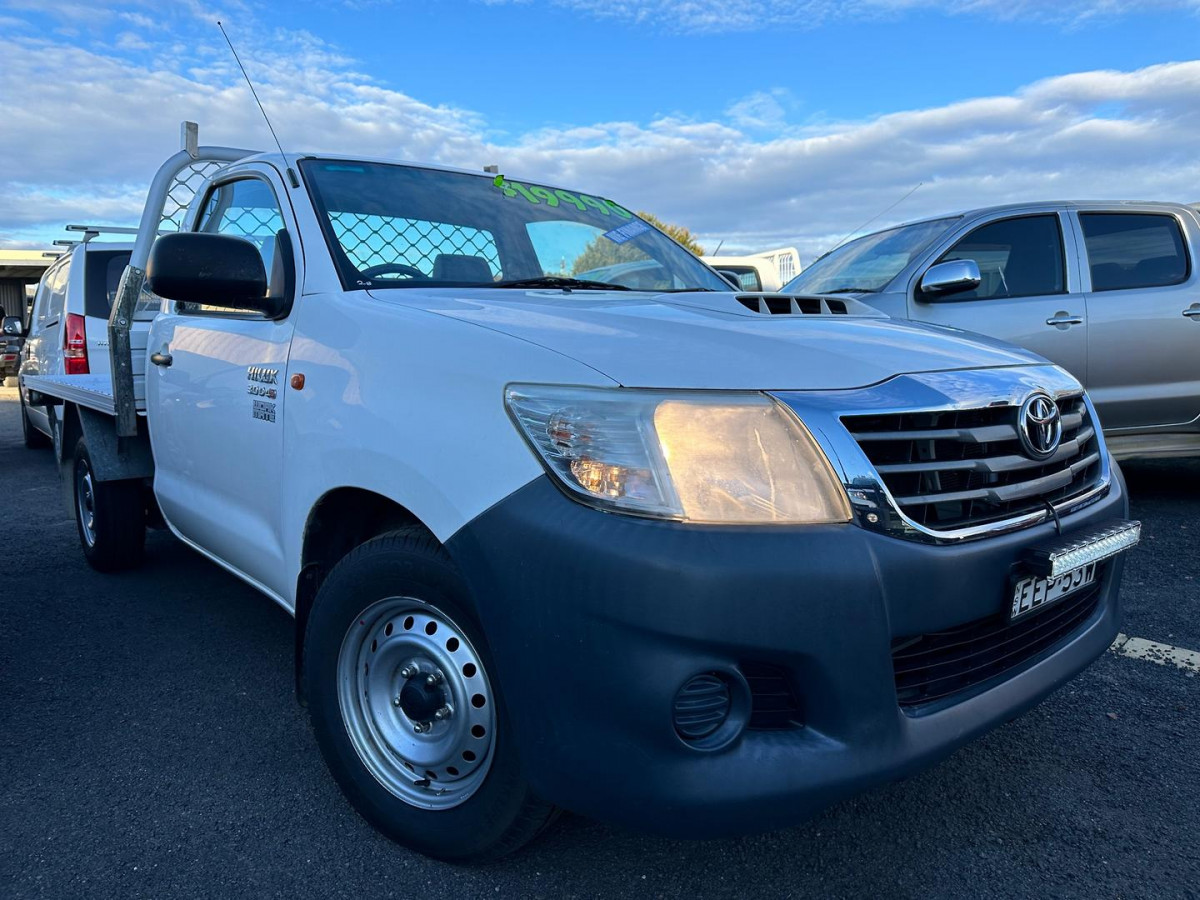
x=75, y=355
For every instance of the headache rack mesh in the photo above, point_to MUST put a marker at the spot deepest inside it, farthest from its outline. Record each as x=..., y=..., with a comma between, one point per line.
x=952, y=469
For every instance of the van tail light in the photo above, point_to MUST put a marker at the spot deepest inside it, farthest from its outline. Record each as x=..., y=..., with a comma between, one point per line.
x=75, y=346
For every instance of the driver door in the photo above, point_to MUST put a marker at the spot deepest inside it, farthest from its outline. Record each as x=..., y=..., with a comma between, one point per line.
x=1029, y=294
x=219, y=404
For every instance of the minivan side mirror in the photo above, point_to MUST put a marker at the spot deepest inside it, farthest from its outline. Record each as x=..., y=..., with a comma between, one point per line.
x=12, y=326
x=952, y=277
x=731, y=277
x=211, y=269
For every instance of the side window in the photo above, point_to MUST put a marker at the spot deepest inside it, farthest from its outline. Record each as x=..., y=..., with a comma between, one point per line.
x=245, y=208
x=52, y=295
x=41, y=299
x=1020, y=257
x=1133, y=250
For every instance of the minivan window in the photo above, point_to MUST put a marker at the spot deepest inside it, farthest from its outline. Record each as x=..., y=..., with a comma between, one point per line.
x=104, y=270
x=41, y=300
x=1021, y=257
x=1133, y=250
x=55, y=287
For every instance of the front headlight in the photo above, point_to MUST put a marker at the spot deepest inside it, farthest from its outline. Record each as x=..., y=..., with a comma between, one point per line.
x=727, y=458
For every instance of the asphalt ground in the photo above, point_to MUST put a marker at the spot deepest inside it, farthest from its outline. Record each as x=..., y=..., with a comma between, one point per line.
x=150, y=746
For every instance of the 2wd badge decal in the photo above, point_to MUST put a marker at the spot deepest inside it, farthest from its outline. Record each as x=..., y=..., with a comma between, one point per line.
x=261, y=386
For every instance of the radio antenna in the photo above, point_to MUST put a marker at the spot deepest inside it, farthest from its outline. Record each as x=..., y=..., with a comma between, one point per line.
x=866, y=223
x=291, y=175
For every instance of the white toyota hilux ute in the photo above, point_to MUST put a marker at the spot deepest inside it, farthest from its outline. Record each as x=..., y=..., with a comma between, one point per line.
x=687, y=560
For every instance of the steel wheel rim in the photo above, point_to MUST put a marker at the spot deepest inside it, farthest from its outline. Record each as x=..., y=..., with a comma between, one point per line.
x=396, y=717
x=85, y=501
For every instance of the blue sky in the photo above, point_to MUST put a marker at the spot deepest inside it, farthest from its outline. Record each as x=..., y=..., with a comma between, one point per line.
x=609, y=68
x=757, y=122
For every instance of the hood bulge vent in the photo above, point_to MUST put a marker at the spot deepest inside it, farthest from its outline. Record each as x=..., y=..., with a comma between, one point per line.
x=784, y=305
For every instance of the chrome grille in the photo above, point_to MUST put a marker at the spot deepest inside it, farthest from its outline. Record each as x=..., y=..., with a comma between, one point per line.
x=955, y=468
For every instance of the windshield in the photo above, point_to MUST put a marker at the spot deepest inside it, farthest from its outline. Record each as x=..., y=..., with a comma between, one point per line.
x=868, y=263
x=396, y=226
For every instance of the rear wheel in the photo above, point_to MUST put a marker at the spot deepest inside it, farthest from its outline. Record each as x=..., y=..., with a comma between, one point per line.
x=109, y=515
x=406, y=709
x=34, y=439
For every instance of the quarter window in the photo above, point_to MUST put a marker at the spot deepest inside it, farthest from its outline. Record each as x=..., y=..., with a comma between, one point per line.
x=1133, y=250
x=1020, y=257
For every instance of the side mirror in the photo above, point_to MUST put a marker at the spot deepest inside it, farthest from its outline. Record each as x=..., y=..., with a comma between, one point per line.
x=951, y=277
x=12, y=326
x=212, y=269
x=731, y=277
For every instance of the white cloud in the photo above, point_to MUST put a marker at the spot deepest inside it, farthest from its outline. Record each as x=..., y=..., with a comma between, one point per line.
x=81, y=148
x=761, y=110
x=721, y=16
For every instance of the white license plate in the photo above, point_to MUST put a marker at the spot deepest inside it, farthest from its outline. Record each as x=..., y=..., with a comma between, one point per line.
x=1034, y=593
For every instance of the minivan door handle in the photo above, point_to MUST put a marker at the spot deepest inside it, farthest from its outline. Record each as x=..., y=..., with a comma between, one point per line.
x=1193, y=311
x=1063, y=318
x=161, y=359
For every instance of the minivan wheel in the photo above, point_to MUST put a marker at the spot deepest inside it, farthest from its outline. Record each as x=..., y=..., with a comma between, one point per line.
x=406, y=709
x=34, y=439
x=110, y=517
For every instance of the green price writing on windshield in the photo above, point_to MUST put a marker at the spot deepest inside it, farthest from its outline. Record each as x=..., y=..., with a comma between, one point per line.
x=555, y=197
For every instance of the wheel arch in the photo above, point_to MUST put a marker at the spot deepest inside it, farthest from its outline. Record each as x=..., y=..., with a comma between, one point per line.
x=342, y=519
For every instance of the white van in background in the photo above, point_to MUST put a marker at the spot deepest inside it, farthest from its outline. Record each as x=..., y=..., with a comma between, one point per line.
x=68, y=327
x=766, y=271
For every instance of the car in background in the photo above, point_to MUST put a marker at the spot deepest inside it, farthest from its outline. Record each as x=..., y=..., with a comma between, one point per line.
x=12, y=338
x=1109, y=291
x=68, y=327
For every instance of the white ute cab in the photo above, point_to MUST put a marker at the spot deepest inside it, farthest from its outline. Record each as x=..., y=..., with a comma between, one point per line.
x=691, y=561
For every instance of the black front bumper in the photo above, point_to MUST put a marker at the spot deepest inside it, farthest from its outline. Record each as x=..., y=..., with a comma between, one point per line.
x=596, y=621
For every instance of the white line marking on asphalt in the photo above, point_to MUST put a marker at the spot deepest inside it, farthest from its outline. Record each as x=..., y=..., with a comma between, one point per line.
x=1162, y=654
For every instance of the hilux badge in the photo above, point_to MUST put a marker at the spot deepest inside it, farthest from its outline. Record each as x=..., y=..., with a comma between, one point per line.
x=1039, y=426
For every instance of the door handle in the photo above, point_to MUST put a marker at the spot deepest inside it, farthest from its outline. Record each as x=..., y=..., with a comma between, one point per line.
x=1063, y=319
x=1193, y=311
x=161, y=359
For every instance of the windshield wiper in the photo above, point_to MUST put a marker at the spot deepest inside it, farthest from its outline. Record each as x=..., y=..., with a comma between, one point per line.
x=688, y=290
x=558, y=281
x=850, y=290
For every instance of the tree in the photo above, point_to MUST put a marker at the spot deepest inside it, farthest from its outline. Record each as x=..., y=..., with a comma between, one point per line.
x=602, y=252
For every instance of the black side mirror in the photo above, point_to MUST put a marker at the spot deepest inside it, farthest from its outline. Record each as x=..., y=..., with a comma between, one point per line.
x=732, y=278
x=12, y=326
x=210, y=269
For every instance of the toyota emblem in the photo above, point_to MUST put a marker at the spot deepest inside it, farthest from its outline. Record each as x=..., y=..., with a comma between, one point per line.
x=1039, y=426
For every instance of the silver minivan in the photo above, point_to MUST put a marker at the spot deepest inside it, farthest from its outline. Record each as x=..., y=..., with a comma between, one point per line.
x=1109, y=291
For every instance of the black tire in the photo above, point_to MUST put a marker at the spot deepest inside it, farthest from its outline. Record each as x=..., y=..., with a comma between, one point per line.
x=503, y=814
x=34, y=439
x=110, y=520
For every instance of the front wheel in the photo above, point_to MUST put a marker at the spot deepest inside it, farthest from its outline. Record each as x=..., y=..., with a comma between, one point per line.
x=406, y=709
x=110, y=517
